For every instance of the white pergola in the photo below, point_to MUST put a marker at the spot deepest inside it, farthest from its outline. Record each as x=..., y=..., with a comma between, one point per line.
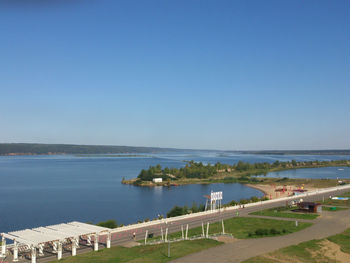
x=54, y=236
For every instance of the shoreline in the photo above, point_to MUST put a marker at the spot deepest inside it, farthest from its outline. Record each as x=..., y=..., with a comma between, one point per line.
x=257, y=187
x=271, y=193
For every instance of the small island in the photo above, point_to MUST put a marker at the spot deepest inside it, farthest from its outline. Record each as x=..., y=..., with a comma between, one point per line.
x=242, y=172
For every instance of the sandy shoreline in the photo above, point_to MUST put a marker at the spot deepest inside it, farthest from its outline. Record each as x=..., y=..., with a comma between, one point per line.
x=271, y=193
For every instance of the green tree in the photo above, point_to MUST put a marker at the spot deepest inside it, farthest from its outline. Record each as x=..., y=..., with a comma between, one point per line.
x=175, y=211
x=109, y=224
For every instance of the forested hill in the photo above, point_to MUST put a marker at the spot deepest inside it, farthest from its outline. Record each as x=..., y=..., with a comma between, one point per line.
x=34, y=148
x=301, y=152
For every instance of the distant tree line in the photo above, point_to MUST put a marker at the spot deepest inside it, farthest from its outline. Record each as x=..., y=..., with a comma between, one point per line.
x=298, y=152
x=37, y=148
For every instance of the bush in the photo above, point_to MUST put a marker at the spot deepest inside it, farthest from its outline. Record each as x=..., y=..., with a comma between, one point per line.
x=254, y=199
x=261, y=232
x=176, y=211
x=243, y=201
x=109, y=224
x=274, y=231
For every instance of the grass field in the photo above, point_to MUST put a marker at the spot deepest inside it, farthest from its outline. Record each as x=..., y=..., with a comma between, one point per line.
x=332, y=249
x=245, y=227
x=284, y=212
x=329, y=208
x=345, y=194
x=144, y=254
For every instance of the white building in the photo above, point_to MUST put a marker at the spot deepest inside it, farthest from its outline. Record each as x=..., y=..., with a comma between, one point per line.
x=157, y=180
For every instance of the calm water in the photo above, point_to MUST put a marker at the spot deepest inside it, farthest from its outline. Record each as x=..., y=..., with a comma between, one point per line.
x=318, y=173
x=42, y=190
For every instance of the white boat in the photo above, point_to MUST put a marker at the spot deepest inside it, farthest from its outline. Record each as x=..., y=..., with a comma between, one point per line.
x=340, y=169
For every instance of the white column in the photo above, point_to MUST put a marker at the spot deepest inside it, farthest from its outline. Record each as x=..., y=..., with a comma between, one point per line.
x=88, y=240
x=74, y=247
x=182, y=232
x=96, y=243
x=186, y=236
x=41, y=250
x=33, y=255
x=59, y=251
x=3, y=247
x=223, y=227
x=15, y=251
x=108, y=240
x=146, y=234
x=161, y=233
x=166, y=235
x=207, y=229
x=202, y=229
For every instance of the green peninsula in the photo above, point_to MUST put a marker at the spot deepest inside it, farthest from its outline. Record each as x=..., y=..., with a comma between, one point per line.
x=242, y=172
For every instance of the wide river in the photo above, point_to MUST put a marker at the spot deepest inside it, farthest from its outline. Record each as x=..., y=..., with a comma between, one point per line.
x=43, y=190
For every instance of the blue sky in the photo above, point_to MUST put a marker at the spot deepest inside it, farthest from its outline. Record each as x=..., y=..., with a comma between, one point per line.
x=233, y=75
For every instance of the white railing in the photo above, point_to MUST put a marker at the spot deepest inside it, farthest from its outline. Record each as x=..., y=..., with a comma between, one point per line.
x=177, y=218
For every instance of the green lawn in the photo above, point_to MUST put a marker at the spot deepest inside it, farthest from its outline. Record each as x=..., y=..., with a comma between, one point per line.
x=144, y=254
x=343, y=240
x=245, y=227
x=345, y=194
x=309, y=252
x=336, y=202
x=329, y=208
x=284, y=212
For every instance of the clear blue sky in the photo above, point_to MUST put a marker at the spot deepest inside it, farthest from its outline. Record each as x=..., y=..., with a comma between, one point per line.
x=233, y=75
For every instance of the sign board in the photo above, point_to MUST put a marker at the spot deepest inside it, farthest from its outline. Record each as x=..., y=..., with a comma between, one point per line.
x=214, y=196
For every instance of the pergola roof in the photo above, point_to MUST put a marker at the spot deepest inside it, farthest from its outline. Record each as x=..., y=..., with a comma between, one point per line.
x=53, y=233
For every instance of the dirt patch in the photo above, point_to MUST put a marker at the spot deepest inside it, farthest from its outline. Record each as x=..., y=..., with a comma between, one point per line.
x=226, y=239
x=131, y=244
x=285, y=259
x=332, y=251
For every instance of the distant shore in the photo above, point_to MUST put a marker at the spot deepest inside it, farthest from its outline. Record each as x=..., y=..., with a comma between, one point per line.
x=13, y=149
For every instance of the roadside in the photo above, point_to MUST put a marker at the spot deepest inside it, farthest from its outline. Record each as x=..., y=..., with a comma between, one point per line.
x=331, y=249
x=326, y=225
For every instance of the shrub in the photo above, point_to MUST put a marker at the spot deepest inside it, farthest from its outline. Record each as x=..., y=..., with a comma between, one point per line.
x=109, y=224
x=255, y=199
x=274, y=231
x=176, y=211
x=244, y=201
x=261, y=232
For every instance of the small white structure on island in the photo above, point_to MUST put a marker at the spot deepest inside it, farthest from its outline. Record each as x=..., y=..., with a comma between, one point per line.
x=157, y=180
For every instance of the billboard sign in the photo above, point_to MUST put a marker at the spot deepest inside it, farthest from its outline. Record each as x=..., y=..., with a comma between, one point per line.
x=215, y=196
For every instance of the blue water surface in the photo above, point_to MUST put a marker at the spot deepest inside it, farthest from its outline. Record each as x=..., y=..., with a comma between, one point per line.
x=43, y=190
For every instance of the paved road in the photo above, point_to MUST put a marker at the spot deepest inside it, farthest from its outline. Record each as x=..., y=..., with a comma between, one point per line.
x=126, y=236
x=329, y=223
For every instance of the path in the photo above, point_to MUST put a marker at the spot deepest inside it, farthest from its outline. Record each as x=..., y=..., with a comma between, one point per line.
x=330, y=223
